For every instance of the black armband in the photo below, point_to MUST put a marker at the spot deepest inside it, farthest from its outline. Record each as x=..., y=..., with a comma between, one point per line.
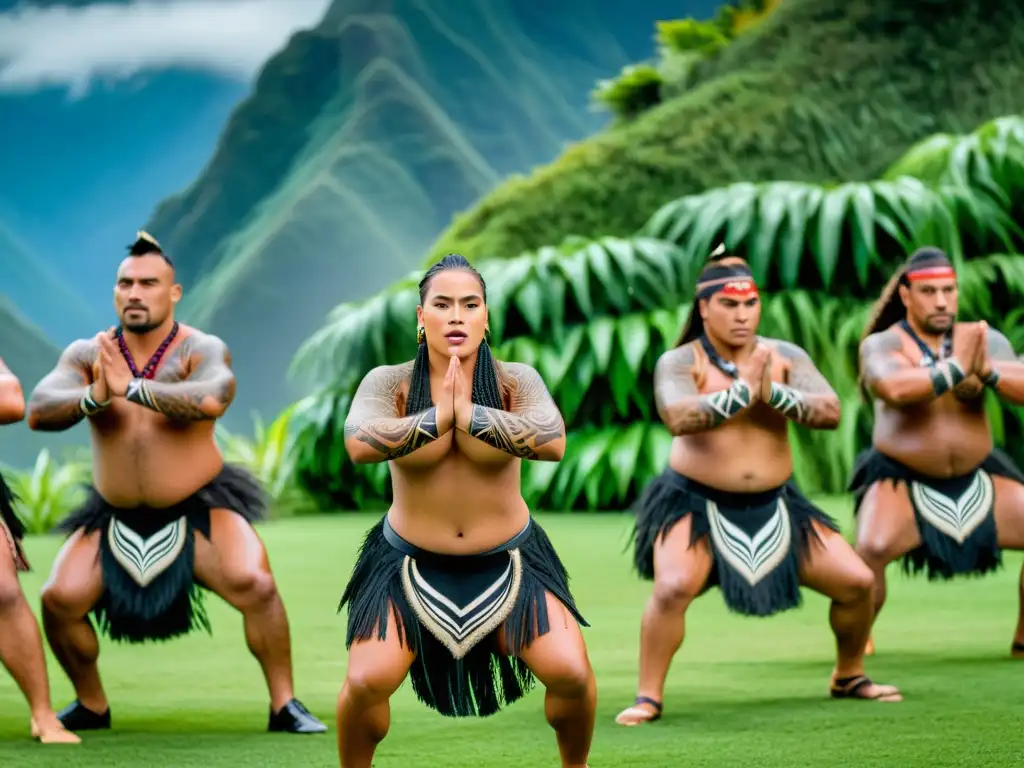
x=946, y=375
x=786, y=400
x=992, y=380
x=89, y=405
x=138, y=392
x=728, y=402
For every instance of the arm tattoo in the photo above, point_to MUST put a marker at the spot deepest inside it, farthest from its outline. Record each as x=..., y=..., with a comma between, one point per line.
x=881, y=356
x=204, y=395
x=808, y=399
x=532, y=422
x=57, y=401
x=373, y=418
x=681, y=406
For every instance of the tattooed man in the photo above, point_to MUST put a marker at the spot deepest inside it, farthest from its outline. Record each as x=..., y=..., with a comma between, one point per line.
x=932, y=489
x=456, y=584
x=21, y=647
x=726, y=512
x=133, y=557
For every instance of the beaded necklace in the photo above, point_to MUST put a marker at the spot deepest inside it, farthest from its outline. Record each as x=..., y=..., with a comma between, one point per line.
x=150, y=370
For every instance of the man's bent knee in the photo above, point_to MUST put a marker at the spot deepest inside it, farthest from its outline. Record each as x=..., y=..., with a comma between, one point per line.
x=63, y=602
x=371, y=686
x=250, y=589
x=571, y=679
x=10, y=594
x=674, y=592
x=858, y=584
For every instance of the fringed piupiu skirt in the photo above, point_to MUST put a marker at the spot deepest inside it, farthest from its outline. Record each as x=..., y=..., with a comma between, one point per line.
x=147, y=555
x=757, y=540
x=450, y=607
x=11, y=527
x=955, y=516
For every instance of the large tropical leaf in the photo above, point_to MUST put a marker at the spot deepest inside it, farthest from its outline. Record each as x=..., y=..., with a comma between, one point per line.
x=539, y=293
x=49, y=491
x=990, y=158
x=844, y=238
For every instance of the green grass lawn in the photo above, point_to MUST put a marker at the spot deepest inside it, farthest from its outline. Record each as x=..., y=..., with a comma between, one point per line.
x=741, y=690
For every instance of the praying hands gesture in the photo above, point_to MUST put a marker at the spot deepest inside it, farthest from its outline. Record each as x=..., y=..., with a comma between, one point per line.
x=113, y=368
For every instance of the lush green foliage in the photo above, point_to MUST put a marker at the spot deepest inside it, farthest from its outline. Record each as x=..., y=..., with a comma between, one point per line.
x=49, y=490
x=819, y=90
x=270, y=454
x=635, y=90
x=593, y=316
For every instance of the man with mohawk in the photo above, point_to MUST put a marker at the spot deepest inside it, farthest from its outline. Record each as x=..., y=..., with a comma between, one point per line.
x=166, y=517
x=932, y=489
x=726, y=512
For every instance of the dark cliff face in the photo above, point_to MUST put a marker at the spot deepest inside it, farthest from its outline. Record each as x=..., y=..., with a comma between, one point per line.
x=360, y=141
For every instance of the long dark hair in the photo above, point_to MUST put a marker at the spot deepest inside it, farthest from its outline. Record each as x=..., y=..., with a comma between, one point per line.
x=486, y=388
x=890, y=309
x=694, y=327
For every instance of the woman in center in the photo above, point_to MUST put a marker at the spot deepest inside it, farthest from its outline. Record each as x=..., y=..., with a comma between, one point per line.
x=457, y=585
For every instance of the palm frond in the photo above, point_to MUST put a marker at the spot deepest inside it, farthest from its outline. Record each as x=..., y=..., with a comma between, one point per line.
x=847, y=237
x=990, y=158
x=541, y=292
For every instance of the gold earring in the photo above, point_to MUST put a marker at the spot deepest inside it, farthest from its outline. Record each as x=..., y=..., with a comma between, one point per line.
x=421, y=335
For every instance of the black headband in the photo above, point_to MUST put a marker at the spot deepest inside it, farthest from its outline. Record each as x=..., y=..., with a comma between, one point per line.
x=718, y=277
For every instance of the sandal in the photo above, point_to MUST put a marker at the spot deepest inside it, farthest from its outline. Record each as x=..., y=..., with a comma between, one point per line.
x=851, y=687
x=644, y=715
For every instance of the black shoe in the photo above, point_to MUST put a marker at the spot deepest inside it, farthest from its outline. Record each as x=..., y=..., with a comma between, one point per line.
x=75, y=717
x=295, y=718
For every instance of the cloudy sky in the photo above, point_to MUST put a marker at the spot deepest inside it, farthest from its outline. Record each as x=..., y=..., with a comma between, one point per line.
x=108, y=107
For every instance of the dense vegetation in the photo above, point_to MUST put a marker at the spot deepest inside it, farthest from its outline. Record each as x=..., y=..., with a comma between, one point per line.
x=607, y=308
x=819, y=91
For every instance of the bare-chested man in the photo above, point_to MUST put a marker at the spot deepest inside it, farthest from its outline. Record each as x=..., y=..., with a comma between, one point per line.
x=21, y=646
x=457, y=583
x=133, y=557
x=932, y=489
x=726, y=511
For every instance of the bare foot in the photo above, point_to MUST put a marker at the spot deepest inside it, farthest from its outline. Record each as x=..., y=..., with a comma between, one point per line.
x=862, y=687
x=645, y=710
x=53, y=732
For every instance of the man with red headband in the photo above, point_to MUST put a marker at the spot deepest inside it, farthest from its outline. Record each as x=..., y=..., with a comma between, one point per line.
x=726, y=512
x=932, y=489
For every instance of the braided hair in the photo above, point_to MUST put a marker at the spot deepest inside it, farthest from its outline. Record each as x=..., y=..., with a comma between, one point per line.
x=486, y=388
x=694, y=327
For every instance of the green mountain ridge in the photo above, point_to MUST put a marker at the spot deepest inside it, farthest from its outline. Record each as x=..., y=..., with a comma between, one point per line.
x=29, y=355
x=362, y=138
x=42, y=288
x=821, y=90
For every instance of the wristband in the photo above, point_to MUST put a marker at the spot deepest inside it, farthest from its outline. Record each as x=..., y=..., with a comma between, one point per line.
x=138, y=392
x=946, y=375
x=786, y=400
x=992, y=380
x=89, y=405
x=728, y=402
